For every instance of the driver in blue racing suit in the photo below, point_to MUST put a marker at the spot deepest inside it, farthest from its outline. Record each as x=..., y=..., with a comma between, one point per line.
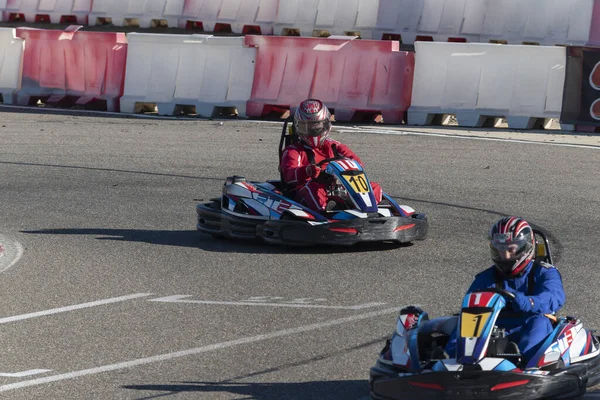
x=537, y=286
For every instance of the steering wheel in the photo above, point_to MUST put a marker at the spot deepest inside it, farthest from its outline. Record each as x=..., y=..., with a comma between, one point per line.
x=509, y=296
x=324, y=177
x=328, y=160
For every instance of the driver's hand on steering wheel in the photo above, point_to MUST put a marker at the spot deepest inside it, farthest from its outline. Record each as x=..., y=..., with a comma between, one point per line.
x=312, y=171
x=521, y=303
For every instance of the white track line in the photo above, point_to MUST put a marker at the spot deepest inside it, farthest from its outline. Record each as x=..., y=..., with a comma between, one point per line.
x=182, y=299
x=458, y=136
x=194, y=351
x=93, y=114
x=72, y=308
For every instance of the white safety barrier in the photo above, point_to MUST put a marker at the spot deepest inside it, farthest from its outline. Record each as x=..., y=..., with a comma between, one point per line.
x=178, y=71
x=242, y=16
x=478, y=81
x=441, y=19
x=145, y=13
x=11, y=64
x=57, y=11
x=338, y=17
x=545, y=22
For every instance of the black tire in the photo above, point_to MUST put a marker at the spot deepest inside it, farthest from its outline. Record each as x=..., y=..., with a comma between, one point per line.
x=215, y=204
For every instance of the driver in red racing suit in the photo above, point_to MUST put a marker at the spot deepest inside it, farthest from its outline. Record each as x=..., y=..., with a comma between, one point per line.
x=298, y=162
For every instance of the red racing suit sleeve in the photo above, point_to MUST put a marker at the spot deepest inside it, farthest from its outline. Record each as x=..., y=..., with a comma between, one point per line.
x=293, y=166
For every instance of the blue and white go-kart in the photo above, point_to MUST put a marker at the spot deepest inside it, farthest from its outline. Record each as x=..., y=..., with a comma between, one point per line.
x=486, y=364
x=265, y=210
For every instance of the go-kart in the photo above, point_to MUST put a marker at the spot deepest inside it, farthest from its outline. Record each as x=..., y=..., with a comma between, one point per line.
x=267, y=211
x=486, y=365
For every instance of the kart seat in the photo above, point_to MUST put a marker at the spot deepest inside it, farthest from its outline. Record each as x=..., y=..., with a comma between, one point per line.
x=288, y=137
x=502, y=347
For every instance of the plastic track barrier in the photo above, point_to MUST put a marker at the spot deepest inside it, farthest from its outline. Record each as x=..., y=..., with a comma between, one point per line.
x=177, y=73
x=581, y=100
x=11, y=58
x=69, y=66
x=237, y=16
x=142, y=13
x=48, y=11
x=479, y=83
x=439, y=20
x=544, y=22
x=327, y=17
x=356, y=78
x=594, y=38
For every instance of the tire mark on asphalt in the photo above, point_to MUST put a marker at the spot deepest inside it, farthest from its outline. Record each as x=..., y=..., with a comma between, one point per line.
x=125, y=171
x=556, y=245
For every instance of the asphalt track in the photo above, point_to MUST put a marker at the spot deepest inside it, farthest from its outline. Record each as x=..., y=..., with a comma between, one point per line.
x=109, y=292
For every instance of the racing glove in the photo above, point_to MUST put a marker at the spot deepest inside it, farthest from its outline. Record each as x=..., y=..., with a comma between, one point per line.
x=312, y=171
x=522, y=303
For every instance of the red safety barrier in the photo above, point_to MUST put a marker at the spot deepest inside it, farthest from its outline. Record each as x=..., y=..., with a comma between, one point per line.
x=594, y=39
x=355, y=78
x=67, y=67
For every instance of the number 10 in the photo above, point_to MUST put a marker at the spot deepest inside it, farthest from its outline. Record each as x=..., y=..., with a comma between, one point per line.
x=359, y=184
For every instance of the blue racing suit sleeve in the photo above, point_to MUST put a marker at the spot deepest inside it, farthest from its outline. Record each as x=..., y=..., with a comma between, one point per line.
x=548, y=293
x=482, y=280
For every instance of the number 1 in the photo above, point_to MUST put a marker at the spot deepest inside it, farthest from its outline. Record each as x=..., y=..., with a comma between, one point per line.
x=477, y=320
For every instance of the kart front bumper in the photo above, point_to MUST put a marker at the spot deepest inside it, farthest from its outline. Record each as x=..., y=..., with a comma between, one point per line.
x=347, y=232
x=387, y=384
x=302, y=233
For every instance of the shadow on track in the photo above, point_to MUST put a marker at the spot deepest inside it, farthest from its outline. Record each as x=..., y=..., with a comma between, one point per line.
x=349, y=389
x=193, y=238
x=342, y=390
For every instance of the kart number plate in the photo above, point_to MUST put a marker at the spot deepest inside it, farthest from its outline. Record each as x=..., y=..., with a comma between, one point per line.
x=472, y=325
x=358, y=182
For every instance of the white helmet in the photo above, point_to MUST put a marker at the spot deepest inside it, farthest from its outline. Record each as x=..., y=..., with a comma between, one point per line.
x=312, y=122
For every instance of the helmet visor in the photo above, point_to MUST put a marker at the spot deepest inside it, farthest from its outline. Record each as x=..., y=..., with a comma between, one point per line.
x=512, y=250
x=313, y=128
